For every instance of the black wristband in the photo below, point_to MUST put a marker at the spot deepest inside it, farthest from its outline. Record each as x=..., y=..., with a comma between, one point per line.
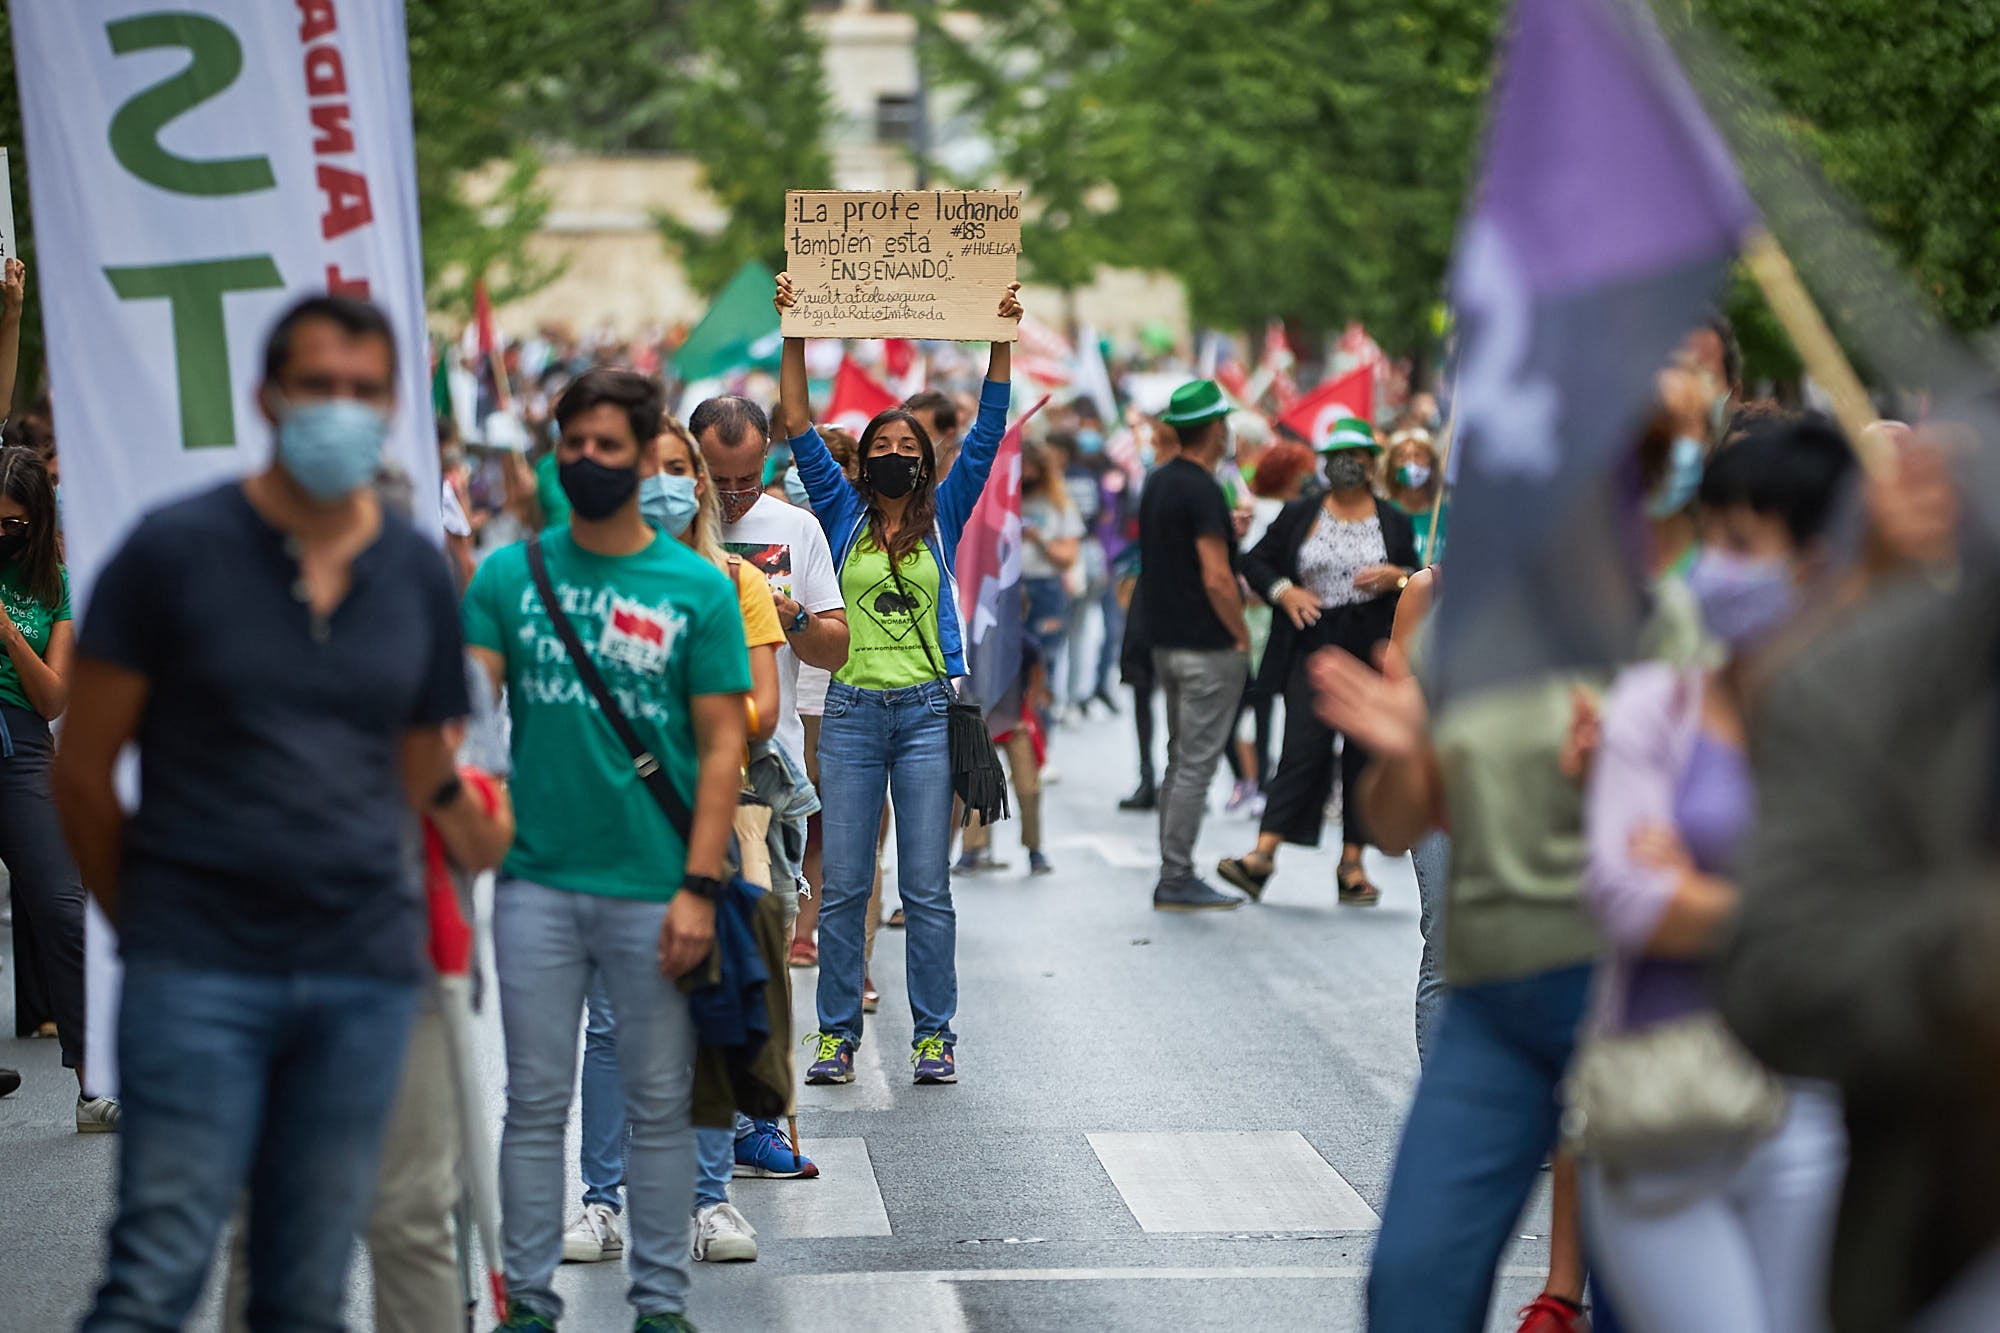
x=447, y=792
x=702, y=886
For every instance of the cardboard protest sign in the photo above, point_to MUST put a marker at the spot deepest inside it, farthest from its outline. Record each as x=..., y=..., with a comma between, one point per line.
x=901, y=263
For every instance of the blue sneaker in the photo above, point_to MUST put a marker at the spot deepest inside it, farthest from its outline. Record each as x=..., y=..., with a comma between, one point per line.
x=525, y=1321
x=765, y=1154
x=662, y=1323
x=932, y=1057
x=836, y=1059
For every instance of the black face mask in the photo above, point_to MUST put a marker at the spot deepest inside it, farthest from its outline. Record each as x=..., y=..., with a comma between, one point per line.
x=594, y=490
x=893, y=476
x=12, y=546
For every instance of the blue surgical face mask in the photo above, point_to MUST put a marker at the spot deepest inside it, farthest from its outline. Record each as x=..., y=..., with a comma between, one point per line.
x=1089, y=441
x=668, y=502
x=1683, y=479
x=795, y=489
x=331, y=448
x=1743, y=599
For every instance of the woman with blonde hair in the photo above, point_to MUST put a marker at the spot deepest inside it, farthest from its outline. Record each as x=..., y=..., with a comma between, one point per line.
x=1411, y=478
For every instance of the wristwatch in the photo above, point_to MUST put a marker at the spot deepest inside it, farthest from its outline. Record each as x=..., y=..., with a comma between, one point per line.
x=702, y=886
x=447, y=792
x=799, y=622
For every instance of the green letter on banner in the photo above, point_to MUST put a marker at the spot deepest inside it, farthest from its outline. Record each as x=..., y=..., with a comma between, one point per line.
x=201, y=343
x=217, y=58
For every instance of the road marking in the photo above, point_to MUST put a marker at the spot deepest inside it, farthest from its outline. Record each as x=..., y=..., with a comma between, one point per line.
x=1271, y=1273
x=1119, y=853
x=1230, y=1181
x=894, y=1308
x=844, y=1201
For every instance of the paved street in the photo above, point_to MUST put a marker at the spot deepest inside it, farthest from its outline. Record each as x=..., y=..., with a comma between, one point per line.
x=1182, y=1120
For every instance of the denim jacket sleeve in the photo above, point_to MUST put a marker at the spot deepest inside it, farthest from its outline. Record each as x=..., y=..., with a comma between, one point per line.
x=1640, y=754
x=959, y=491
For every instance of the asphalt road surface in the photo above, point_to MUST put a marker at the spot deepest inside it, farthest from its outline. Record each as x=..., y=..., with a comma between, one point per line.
x=1161, y=1120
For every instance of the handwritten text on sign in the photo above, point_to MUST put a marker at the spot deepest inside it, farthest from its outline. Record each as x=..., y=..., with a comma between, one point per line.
x=901, y=263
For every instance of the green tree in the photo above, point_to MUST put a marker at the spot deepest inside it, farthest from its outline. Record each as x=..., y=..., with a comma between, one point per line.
x=750, y=103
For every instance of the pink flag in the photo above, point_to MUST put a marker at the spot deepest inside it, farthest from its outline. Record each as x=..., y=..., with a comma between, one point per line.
x=989, y=578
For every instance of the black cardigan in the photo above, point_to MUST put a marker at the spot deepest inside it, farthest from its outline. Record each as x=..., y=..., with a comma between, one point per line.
x=1276, y=556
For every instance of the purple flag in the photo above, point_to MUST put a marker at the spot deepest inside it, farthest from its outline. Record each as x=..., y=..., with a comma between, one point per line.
x=1608, y=211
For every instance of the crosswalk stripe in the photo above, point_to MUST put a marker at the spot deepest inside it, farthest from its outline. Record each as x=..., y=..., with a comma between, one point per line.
x=1230, y=1181
x=846, y=1200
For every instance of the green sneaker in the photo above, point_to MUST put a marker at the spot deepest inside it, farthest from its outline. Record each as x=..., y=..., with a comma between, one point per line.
x=525, y=1321
x=663, y=1323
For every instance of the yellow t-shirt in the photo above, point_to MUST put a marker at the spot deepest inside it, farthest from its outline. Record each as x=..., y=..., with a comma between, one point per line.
x=760, y=613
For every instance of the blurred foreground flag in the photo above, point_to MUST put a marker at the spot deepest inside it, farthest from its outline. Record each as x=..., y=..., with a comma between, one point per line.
x=1606, y=216
x=989, y=579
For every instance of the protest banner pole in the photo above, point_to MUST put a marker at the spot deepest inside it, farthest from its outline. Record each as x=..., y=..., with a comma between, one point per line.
x=1817, y=348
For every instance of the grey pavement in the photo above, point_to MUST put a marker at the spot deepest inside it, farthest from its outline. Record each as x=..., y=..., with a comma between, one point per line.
x=1160, y=1119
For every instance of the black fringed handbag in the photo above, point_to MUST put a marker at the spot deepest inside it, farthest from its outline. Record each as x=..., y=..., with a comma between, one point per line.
x=976, y=775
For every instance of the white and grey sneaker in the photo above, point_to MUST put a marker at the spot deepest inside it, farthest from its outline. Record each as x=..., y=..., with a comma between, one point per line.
x=723, y=1236
x=97, y=1115
x=592, y=1236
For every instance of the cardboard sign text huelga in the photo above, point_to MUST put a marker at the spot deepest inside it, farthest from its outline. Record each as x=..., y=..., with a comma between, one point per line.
x=901, y=263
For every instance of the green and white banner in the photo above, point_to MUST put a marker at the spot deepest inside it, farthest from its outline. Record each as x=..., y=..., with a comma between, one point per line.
x=194, y=168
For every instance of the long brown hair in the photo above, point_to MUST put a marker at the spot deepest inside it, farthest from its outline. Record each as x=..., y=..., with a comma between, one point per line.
x=25, y=478
x=920, y=515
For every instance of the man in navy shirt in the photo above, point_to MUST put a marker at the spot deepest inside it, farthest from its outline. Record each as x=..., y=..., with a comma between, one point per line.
x=286, y=655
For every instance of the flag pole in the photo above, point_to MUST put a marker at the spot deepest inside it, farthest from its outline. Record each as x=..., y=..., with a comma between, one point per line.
x=1823, y=359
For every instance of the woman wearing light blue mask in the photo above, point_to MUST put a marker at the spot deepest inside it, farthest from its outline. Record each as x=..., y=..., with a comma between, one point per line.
x=1735, y=1233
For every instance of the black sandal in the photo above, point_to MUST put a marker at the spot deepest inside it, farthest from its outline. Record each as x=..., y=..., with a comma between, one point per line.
x=1238, y=872
x=1355, y=890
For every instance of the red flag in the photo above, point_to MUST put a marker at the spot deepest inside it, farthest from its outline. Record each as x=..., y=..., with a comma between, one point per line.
x=989, y=581
x=898, y=355
x=1311, y=418
x=1278, y=361
x=489, y=340
x=857, y=398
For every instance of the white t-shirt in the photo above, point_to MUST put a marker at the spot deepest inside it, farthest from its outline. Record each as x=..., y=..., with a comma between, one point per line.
x=1055, y=523
x=787, y=544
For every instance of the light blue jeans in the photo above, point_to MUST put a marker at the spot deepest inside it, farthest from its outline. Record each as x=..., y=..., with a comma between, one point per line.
x=876, y=745
x=547, y=943
x=1431, y=858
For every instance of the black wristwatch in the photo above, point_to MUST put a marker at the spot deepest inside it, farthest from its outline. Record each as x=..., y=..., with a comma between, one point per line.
x=447, y=792
x=702, y=886
x=799, y=622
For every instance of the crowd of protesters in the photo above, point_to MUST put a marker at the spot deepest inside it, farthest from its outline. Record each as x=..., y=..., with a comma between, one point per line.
x=1667, y=938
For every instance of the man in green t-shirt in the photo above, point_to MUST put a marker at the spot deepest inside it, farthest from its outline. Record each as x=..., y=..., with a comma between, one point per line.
x=599, y=881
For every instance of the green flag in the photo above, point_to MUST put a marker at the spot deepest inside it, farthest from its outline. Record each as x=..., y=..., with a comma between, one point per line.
x=739, y=332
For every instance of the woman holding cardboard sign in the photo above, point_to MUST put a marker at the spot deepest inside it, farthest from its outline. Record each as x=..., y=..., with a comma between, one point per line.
x=894, y=532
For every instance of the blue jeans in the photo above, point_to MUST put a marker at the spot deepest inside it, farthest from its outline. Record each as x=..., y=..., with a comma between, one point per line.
x=715, y=1153
x=1483, y=1121
x=877, y=744
x=204, y=1056
x=547, y=944
x=1431, y=858
x=603, y=1147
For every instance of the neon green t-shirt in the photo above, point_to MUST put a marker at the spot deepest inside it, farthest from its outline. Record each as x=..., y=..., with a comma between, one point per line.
x=887, y=635
x=36, y=621
x=662, y=626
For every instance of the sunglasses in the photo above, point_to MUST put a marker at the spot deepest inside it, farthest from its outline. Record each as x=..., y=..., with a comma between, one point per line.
x=14, y=526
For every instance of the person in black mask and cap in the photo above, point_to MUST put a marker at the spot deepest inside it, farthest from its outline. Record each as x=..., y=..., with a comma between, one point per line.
x=894, y=533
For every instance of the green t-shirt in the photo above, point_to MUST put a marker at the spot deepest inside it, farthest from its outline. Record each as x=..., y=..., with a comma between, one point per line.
x=35, y=621
x=549, y=493
x=662, y=626
x=887, y=636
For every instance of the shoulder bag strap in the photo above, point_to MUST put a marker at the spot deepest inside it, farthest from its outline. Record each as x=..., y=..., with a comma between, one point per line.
x=643, y=763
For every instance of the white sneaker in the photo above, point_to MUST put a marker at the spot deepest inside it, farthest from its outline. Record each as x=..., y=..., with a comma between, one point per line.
x=592, y=1236
x=723, y=1236
x=97, y=1115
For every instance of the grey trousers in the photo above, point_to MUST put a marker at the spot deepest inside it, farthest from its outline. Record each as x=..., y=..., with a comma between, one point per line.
x=1203, y=690
x=1432, y=859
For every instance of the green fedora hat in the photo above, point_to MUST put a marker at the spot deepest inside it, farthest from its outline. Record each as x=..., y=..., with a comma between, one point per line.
x=1195, y=403
x=1350, y=433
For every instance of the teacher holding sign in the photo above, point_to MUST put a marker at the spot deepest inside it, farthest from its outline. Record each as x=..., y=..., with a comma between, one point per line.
x=894, y=533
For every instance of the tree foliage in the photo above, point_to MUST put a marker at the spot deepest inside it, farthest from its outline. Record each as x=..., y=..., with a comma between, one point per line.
x=749, y=102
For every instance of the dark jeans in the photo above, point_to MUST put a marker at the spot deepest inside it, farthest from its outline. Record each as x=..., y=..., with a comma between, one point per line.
x=1483, y=1121
x=281, y=1081
x=1295, y=801
x=48, y=893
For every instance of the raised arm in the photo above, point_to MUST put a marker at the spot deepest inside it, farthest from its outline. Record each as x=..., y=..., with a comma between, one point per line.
x=13, y=294
x=1000, y=364
x=794, y=396
x=959, y=491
